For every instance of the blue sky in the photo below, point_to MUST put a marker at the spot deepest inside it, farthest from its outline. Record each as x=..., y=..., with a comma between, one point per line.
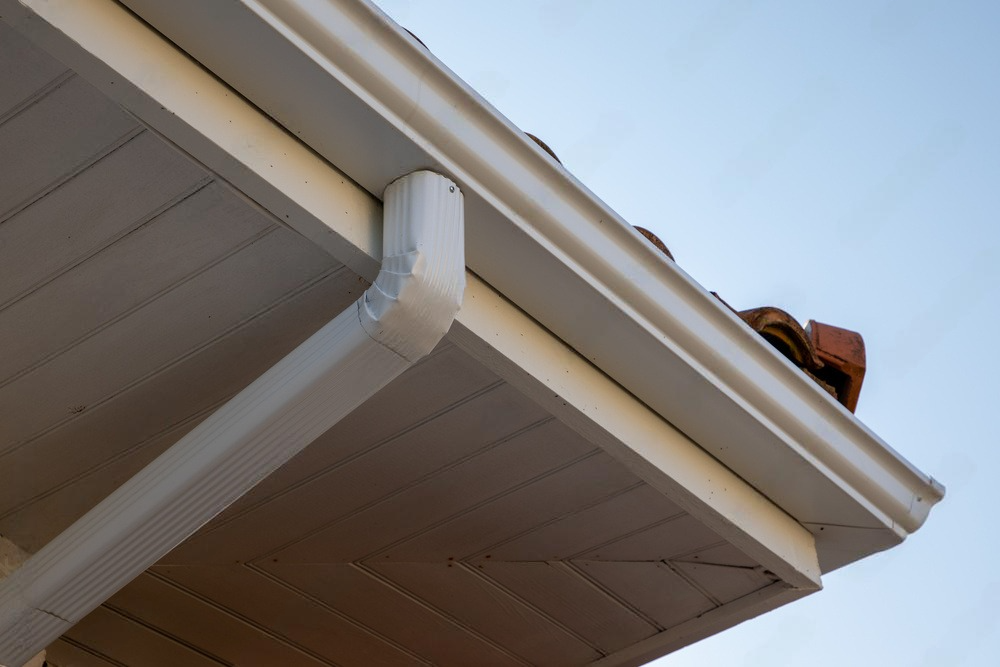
x=838, y=160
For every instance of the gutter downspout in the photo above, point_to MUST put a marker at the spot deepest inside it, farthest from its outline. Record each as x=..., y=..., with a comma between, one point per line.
x=398, y=320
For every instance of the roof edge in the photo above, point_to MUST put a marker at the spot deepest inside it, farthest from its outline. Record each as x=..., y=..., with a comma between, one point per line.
x=659, y=334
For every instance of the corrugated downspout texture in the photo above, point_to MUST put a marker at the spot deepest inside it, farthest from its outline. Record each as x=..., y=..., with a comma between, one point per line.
x=415, y=297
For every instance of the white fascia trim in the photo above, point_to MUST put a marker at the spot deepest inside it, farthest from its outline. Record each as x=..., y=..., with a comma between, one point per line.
x=190, y=108
x=400, y=318
x=581, y=271
x=150, y=77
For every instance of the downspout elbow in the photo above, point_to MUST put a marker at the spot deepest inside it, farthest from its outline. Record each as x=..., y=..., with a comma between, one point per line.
x=419, y=288
x=399, y=319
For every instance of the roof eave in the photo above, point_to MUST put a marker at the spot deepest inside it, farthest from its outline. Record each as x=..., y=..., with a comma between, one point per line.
x=374, y=102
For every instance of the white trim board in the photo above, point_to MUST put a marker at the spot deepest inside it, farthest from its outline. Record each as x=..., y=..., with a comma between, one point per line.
x=649, y=326
x=175, y=96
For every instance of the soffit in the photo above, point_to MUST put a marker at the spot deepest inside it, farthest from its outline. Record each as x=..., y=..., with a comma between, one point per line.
x=449, y=520
x=137, y=293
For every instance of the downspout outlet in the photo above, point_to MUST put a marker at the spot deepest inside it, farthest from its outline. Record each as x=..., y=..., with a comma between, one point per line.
x=399, y=319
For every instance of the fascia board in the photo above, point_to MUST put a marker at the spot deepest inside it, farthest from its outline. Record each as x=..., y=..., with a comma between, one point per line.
x=371, y=100
x=191, y=109
x=279, y=179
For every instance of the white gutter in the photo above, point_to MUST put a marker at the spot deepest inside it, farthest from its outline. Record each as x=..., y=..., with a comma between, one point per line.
x=159, y=84
x=647, y=324
x=399, y=319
